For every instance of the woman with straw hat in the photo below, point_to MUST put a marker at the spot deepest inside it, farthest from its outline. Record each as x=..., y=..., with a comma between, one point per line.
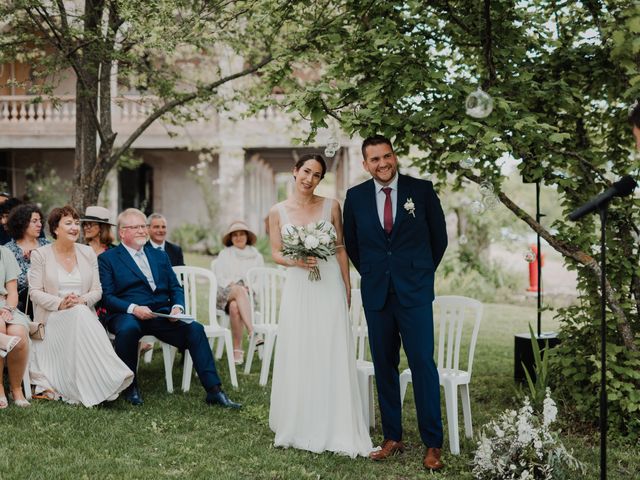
x=96, y=226
x=238, y=256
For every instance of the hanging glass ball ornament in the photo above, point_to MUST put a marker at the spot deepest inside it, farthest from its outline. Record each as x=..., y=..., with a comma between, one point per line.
x=328, y=152
x=479, y=104
x=477, y=207
x=467, y=162
x=462, y=240
x=486, y=188
x=529, y=256
x=333, y=143
x=490, y=201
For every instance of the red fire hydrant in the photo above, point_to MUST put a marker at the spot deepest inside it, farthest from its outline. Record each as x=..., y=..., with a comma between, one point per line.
x=533, y=269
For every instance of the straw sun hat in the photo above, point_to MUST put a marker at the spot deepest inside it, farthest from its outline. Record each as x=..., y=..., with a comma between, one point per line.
x=237, y=226
x=98, y=215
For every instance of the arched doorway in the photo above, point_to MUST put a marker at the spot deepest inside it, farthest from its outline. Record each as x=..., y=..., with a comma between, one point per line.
x=136, y=188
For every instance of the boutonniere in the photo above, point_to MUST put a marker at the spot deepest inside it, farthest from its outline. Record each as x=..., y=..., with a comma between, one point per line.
x=410, y=207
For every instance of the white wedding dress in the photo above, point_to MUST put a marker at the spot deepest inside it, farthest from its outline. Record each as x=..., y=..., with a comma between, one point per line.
x=76, y=360
x=315, y=401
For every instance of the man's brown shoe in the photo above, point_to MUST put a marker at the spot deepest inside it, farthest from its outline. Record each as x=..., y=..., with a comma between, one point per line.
x=387, y=449
x=432, y=459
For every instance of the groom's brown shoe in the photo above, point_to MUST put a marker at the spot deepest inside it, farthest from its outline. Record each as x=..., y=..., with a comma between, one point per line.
x=432, y=459
x=387, y=449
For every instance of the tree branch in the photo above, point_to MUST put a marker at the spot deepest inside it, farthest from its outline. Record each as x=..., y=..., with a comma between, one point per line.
x=182, y=100
x=488, y=48
x=576, y=254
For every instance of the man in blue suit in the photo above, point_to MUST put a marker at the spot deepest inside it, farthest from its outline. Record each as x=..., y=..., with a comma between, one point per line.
x=395, y=235
x=137, y=281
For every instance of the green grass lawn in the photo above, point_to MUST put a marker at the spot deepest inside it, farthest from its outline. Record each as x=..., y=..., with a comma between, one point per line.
x=178, y=436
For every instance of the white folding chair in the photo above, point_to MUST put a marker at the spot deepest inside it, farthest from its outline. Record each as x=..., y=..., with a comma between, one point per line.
x=223, y=318
x=364, y=367
x=168, y=355
x=26, y=378
x=265, y=286
x=189, y=278
x=449, y=314
x=26, y=383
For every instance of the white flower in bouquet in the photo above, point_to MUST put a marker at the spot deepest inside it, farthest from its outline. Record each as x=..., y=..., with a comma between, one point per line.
x=311, y=242
x=324, y=238
x=290, y=233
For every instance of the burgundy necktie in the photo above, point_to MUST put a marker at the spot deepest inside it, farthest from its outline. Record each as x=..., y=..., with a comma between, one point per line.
x=388, y=213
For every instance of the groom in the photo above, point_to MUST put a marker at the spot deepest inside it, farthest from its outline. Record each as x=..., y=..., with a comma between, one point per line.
x=395, y=235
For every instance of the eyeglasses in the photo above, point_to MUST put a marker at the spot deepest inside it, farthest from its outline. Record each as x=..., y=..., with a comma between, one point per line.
x=134, y=227
x=88, y=224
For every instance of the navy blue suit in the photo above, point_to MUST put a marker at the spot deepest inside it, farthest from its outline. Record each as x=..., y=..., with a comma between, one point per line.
x=123, y=283
x=397, y=275
x=174, y=252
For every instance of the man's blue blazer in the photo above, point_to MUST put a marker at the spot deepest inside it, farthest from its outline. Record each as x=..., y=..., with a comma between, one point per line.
x=123, y=283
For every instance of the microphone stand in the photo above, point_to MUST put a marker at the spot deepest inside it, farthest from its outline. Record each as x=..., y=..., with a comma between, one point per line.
x=603, y=341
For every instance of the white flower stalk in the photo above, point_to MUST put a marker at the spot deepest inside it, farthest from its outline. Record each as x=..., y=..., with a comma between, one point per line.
x=549, y=409
x=519, y=445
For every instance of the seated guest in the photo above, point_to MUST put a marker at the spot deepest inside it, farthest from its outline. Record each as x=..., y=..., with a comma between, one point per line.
x=25, y=227
x=96, y=227
x=14, y=340
x=138, y=280
x=231, y=269
x=157, y=225
x=75, y=361
x=5, y=209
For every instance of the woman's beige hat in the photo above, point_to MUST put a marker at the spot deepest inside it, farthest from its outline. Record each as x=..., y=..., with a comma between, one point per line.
x=98, y=215
x=237, y=226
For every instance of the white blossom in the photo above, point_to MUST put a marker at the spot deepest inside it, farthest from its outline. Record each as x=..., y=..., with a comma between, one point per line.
x=311, y=242
x=549, y=409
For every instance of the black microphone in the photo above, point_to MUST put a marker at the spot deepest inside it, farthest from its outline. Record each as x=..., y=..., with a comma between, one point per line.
x=621, y=188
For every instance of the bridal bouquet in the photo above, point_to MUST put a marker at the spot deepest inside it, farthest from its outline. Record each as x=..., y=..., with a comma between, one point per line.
x=316, y=239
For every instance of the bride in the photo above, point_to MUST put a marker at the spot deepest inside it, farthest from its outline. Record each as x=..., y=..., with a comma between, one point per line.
x=315, y=402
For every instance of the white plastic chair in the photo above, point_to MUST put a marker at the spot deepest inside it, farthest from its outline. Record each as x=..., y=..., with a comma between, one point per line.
x=364, y=367
x=168, y=355
x=189, y=278
x=449, y=313
x=26, y=378
x=223, y=318
x=265, y=286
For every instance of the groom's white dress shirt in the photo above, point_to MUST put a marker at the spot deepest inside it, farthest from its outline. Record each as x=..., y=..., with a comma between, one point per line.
x=380, y=198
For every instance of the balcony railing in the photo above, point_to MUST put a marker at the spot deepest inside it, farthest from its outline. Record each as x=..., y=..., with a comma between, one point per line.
x=31, y=109
x=25, y=109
